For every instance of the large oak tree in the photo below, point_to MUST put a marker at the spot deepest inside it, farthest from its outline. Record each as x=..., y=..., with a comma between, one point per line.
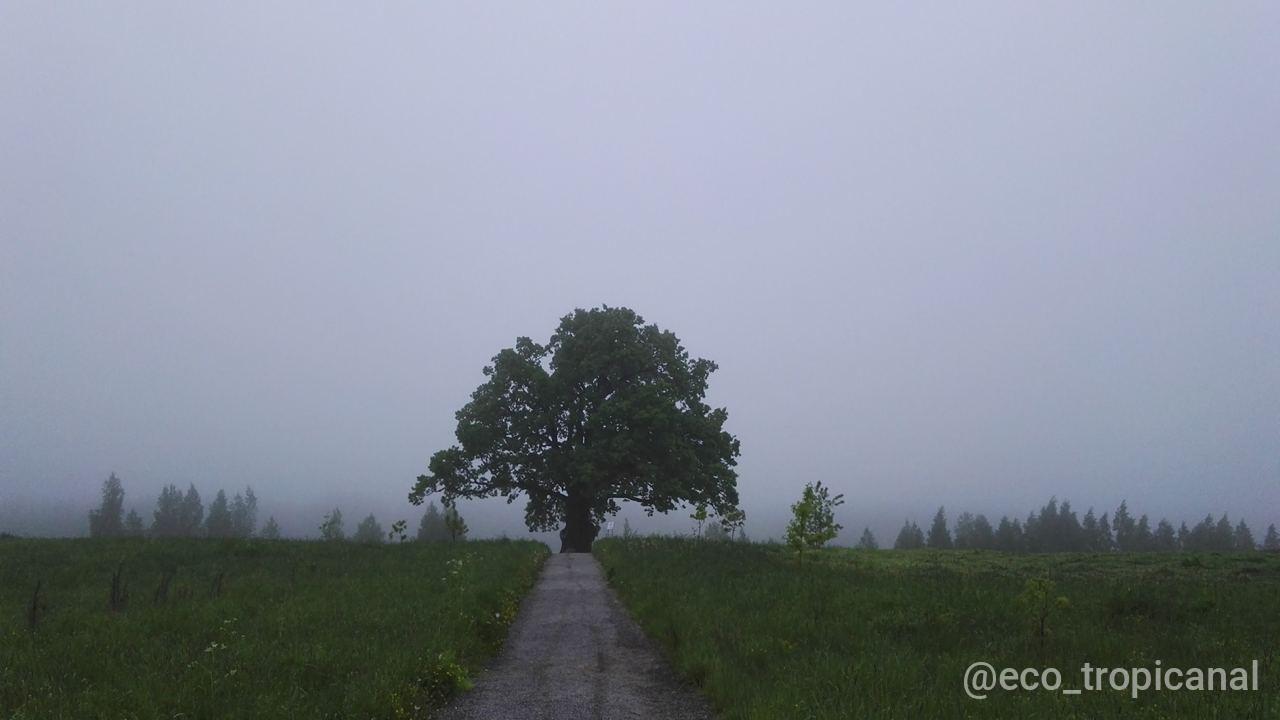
x=610, y=409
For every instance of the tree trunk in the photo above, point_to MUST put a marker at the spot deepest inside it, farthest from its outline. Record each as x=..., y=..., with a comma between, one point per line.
x=580, y=529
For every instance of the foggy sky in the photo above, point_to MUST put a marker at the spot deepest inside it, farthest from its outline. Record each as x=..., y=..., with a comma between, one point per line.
x=972, y=255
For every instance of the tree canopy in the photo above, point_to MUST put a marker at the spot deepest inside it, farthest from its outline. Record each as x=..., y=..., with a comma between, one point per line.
x=609, y=409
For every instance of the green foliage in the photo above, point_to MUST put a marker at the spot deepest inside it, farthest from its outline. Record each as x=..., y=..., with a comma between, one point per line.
x=1038, y=600
x=699, y=518
x=332, y=527
x=397, y=531
x=609, y=409
x=813, y=519
x=299, y=630
x=889, y=635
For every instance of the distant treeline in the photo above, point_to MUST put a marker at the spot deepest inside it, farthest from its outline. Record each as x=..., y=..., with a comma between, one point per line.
x=183, y=515
x=1055, y=528
x=179, y=514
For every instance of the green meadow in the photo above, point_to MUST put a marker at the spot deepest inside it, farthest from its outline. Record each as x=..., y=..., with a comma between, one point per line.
x=889, y=634
x=250, y=628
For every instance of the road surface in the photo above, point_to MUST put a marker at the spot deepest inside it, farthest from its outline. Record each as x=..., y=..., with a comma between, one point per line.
x=573, y=652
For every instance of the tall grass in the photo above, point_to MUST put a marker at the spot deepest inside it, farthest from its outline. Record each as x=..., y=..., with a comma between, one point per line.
x=211, y=629
x=889, y=634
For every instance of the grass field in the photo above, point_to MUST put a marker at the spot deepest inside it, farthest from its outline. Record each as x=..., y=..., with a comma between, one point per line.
x=889, y=634
x=250, y=629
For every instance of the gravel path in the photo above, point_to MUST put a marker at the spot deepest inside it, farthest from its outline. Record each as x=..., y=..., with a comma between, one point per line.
x=573, y=652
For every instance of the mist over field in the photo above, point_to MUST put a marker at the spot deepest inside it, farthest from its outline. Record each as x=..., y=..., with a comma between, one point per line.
x=977, y=257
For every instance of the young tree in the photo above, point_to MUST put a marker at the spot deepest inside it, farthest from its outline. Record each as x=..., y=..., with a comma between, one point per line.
x=432, y=527
x=609, y=409
x=732, y=522
x=133, y=524
x=910, y=537
x=108, y=519
x=218, y=523
x=244, y=513
x=868, y=541
x=1242, y=540
x=699, y=518
x=1271, y=543
x=369, y=531
x=270, y=531
x=813, y=519
x=454, y=523
x=939, y=536
x=331, y=528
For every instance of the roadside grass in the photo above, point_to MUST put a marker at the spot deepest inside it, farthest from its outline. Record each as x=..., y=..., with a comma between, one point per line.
x=889, y=634
x=261, y=629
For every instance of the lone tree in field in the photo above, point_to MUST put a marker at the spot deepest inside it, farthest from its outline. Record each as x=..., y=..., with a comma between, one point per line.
x=609, y=409
x=813, y=519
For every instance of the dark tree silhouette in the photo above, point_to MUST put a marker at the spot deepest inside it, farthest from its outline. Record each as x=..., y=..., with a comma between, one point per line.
x=910, y=537
x=167, y=520
x=432, y=527
x=218, y=522
x=939, y=536
x=1242, y=540
x=1271, y=543
x=868, y=541
x=244, y=513
x=610, y=409
x=108, y=519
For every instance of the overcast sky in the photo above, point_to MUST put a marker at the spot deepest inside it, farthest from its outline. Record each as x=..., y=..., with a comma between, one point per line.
x=968, y=254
